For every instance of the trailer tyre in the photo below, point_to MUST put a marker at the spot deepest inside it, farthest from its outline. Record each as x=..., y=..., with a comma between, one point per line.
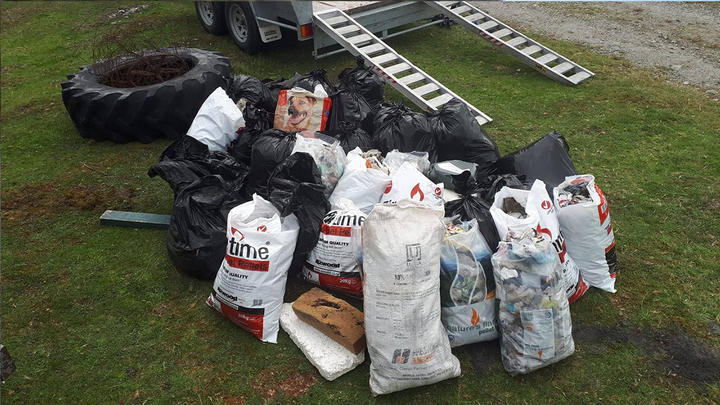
x=163, y=110
x=242, y=26
x=212, y=16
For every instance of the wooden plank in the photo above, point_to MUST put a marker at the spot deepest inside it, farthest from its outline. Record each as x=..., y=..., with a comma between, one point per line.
x=134, y=219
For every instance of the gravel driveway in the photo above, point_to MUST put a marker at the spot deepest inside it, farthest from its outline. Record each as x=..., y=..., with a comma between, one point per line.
x=679, y=39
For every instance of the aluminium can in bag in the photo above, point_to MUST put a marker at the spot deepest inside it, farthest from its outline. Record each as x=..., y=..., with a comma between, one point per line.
x=467, y=285
x=406, y=340
x=584, y=215
x=534, y=315
x=333, y=263
x=250, y=285
x=539, y=214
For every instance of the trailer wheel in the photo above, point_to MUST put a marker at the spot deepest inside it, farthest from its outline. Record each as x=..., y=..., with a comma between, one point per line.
x=212, y=16
x=242, y=26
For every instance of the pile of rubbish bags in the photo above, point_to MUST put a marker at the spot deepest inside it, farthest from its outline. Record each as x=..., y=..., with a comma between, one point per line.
x=447, y=242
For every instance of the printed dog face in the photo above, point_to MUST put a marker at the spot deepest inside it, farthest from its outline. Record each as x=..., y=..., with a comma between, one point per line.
x=300, y=112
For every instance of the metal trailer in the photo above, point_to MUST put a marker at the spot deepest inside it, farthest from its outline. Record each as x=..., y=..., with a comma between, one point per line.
x=360, y=27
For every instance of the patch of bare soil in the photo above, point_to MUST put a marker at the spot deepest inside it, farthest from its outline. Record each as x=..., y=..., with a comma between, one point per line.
x=681, y=355
x=294, y=384
x=39, y=200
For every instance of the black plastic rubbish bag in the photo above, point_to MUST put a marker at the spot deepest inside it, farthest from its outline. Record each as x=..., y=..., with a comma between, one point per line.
x=471, y=205
x=269, y=150
x=295, y=187
x=257, y=121
x=398, y=127
x=309, y=81
x=351, y=137
x=349, y=106
x=196, y=234
x=365, y=81
x=460, y=137
x=253, y=90
x=188, y=160
x=546, y=159
x=495, y=183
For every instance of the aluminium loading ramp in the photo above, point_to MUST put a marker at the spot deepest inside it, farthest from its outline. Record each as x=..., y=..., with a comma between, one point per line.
x=409, y=80
x=513, y=43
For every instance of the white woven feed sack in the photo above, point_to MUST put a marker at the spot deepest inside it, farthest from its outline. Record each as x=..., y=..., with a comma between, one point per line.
x=330, y=358
x=408, y=183
x=360, y=184
x=217, y=122
x=406, y=340
x=588, y=231
x=250, y=285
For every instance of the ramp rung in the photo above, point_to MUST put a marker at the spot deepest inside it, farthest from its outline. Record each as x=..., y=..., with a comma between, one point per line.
x=349, y=28
x=501, y=33
x=578, y=77
x=487, y=25
x=547, y=58
x=410, y=79
x=386, y=57
x=563, y=67
x=370, y=49
x=359, y=38
x=475, y=17
x=336, y=20
x=400, y=67
x=440, y=100
x=401, y=73
x=530, y=50
x=461, y=9
x=516, y=41
x=480, y=23
x=425, y=89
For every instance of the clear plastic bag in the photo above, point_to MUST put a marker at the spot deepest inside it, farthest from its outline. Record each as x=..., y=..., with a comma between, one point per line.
x=534, y=313
x=395, y=159
x=329, y=158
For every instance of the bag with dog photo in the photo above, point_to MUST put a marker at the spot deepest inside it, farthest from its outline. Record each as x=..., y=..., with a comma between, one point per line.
x=299, y=110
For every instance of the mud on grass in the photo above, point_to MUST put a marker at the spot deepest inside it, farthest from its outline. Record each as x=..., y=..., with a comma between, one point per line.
x=31, y=201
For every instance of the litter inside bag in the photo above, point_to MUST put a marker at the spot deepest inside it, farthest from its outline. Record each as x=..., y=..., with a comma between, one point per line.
x=584, y=215
x=394, y=159
x=546, y=159
x=217, y=122
x=471, y=206
x=460, y=137
x=329, y=158
x=365, y=81
x=397, y=127
x=534, y=314
x=467, y=286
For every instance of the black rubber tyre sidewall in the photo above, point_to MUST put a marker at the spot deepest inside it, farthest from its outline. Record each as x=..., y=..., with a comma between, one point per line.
x=163, y=110
x=253, y=43
x=218, y=26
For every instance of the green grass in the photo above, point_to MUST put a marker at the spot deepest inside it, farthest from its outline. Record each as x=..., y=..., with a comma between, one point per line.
x=94, y=314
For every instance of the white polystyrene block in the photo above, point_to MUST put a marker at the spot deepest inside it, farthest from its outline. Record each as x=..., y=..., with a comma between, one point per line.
x=328, y=356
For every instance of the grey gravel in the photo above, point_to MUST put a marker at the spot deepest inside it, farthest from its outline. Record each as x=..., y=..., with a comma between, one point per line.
x=655, y=35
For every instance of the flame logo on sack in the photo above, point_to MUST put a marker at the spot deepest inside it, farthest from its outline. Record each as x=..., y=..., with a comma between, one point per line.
x=234, y=230
x=388, y=188
x=262, y=228
x=475, y=318
x=545, y=205
x=416, y=190
x=438, y=191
